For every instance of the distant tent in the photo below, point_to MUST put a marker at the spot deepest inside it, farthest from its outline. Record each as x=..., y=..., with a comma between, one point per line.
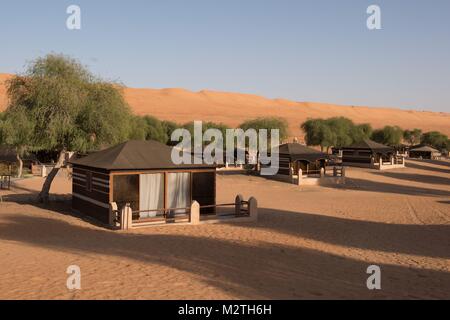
x=424, y=152
x=295, y=156
x=365, y=150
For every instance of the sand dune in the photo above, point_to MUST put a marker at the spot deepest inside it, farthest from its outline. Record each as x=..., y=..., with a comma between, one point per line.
x=233, y=108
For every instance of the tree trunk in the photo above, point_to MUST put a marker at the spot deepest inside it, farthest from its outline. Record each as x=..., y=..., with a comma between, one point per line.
x=44, y=194
x=20, y=169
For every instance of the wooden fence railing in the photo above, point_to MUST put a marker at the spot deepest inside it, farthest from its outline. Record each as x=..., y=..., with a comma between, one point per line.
x=126, y=218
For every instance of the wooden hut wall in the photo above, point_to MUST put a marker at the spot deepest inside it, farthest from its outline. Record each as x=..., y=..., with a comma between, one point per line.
x=204, y=190
x=357, y=156
x=285, y=165
x=420, y=154
x=90, y=192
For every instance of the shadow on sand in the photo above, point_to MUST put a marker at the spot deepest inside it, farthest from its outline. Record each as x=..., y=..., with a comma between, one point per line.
x=376, y=186
x=423, y=178
x=266, y=270
x=417, y=165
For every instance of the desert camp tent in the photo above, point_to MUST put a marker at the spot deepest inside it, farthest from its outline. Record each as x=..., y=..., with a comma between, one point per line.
x=142, y=174
x=295, y=156
x=424, y=152
x=366, y=151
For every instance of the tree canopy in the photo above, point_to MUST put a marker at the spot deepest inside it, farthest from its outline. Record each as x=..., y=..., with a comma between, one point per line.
x=334, y=132
x=412, y=136
x=436, y=139
x=389, y=135
x=69, y=107
x=268, y=123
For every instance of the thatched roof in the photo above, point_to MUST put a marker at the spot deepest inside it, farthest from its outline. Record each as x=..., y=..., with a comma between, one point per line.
x=134, y=155
x=425, y=149
x=297, y=151
x=368, y=144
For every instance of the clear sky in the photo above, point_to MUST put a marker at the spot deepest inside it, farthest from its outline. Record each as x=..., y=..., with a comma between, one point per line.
x=301, y=50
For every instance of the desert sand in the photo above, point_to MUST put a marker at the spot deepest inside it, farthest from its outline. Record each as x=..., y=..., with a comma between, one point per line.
x=181, y=106
x=310, y=242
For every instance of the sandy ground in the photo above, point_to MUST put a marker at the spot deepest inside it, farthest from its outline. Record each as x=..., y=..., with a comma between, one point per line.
x=310, y=242
x=232, y=109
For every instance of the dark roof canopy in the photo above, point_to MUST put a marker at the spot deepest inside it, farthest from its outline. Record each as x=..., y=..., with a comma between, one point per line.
x=134, y=155
x=425, y=149
x=297, y=151
x=368, y=144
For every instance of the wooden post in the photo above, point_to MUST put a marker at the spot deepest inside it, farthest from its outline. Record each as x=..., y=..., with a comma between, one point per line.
x=300, y=177
x=113, y=209
x=322, y=172
x=334, y=172
x=392, y=160
x=126, y=219
x=253, y=208
x=238, y=205
x=195, y=213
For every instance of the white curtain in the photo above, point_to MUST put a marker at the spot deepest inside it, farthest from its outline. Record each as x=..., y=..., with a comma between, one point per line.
x=151, y=194
x=179, y=194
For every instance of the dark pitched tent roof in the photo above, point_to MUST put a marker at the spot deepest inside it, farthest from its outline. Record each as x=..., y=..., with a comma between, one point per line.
x=134, y=155
x=425, y=149
x=372, y=145
x=298, y=151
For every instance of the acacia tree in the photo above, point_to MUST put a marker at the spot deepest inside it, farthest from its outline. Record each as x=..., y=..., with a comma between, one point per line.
x=72, y=110
x=412, y=136
x=268, y=123
x=17, y=131
x=334, y=132
x=389, y=135
x=436, y=139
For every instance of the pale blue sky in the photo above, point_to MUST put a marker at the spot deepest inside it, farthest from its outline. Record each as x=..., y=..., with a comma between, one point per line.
x=301, y=50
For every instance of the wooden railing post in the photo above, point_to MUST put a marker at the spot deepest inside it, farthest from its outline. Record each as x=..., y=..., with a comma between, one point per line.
x=113, y=209
x=126, y=219
x=300, y=177
x=195, y=213
x=253, y=208
x=238, y=205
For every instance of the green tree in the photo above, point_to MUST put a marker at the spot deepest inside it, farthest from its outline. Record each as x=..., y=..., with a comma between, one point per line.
x=170, y=127
x=155, y=130
x=389, y=135
x=205, y=126
x=412, y=136
x=268, y=123
x=319, y=133
x=436, y=139
x=334, y=132
x=17, y=131
x=72, y=109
